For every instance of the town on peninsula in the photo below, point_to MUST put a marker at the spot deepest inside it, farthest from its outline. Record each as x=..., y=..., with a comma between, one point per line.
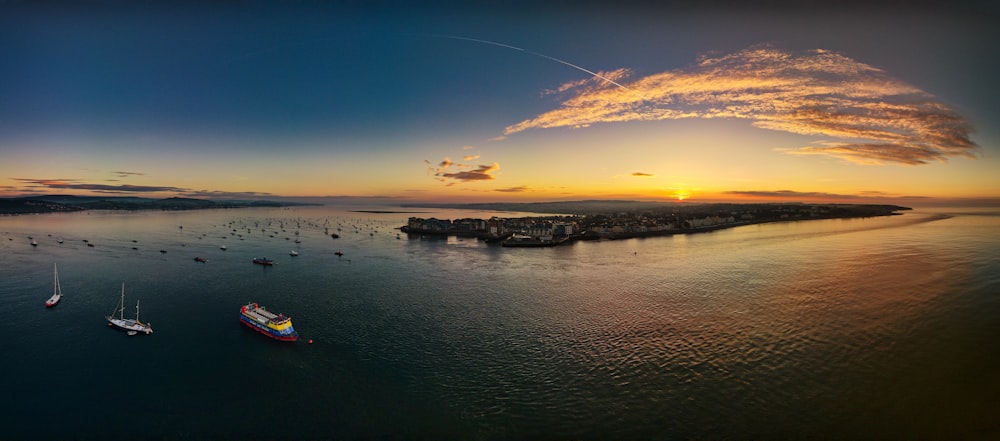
x=610, y=220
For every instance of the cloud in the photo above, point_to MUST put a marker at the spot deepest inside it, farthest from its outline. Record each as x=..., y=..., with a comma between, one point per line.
x=470, y=158
x=125, y=174
x=468, y=172
x=785, y=194
x=215, y=194
x=865, y=115
x=641, y=174
x=102, y=188
x=482, y=173
x=520, y=189
x=799, y=195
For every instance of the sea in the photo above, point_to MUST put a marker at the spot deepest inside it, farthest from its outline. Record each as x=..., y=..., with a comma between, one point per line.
x=875, y=328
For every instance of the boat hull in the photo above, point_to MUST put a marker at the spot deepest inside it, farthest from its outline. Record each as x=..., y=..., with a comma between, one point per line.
x=252, y=324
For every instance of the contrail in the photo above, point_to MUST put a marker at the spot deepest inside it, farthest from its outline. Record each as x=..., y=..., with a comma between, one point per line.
x=567, y=63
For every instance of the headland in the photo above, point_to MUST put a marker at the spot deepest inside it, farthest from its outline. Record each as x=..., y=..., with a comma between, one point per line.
x=611, y=220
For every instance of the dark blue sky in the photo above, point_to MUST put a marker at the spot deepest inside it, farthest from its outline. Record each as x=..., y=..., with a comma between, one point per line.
x=235, y=77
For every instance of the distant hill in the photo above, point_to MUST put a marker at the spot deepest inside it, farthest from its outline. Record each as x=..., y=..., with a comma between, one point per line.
x=29, y=206
x=67, y=203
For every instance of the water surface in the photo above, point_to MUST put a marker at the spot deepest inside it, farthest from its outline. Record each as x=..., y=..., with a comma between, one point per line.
x=879, y=328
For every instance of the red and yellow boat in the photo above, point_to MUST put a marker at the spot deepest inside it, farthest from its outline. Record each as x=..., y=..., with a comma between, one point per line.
x=276, y=326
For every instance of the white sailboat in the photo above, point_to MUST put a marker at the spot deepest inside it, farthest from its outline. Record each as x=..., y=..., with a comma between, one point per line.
x=132, y=326
x=56, y=289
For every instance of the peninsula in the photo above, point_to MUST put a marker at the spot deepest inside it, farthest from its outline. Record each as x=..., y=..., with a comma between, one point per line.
x=594, y=220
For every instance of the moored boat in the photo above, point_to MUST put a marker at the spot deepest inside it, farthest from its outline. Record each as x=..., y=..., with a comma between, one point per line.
x=200, y=259
x=131, y=326
x=263, y=261
x=276, y=326
x=56, y=289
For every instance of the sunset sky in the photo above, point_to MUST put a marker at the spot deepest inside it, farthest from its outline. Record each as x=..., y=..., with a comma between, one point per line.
x=461, y=102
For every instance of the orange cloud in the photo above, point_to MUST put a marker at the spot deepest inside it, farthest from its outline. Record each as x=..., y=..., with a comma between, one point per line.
x=480, y=173
x=871, y=117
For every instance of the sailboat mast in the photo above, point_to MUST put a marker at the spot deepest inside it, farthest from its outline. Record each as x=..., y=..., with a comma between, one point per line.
x=122, y=311
x=137, y=311
x=55, y=279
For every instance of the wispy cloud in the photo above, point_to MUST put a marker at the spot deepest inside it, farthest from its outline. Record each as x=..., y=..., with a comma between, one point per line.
x=125, y=174
x=801, y=195
x=519, y=189
x=215, y=194
x=863, y=114
x=642, y=175
x=470, y=158
x=71, y=184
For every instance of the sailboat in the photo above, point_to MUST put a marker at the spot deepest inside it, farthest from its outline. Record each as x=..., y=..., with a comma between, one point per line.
x=56, y=289
x=131, y=326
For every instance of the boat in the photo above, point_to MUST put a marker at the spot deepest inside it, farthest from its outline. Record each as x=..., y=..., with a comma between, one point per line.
x=339, y=253
x=56, y=289
x=520, y=240
x=131, y=326
x=263, y=261
x=200, y=259
x=293, y=253
x=34, y=243
x=223, y=248
x=276, y=326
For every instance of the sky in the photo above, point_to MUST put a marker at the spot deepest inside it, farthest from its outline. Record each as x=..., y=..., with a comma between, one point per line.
x=873, y=102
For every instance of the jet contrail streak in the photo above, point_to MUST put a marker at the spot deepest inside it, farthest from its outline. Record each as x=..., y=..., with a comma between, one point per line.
x=567, y=63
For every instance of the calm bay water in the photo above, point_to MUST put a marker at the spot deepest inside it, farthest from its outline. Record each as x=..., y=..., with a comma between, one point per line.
x=882, y=328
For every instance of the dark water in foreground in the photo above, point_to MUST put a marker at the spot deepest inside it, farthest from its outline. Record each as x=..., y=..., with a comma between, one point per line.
x=883, y=328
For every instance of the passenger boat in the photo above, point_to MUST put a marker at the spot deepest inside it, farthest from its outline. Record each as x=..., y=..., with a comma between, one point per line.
x=131, y=326
x=56, y=289
x=276, y=326
x=200, y=259
x=293, y=253
x=263, y=261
